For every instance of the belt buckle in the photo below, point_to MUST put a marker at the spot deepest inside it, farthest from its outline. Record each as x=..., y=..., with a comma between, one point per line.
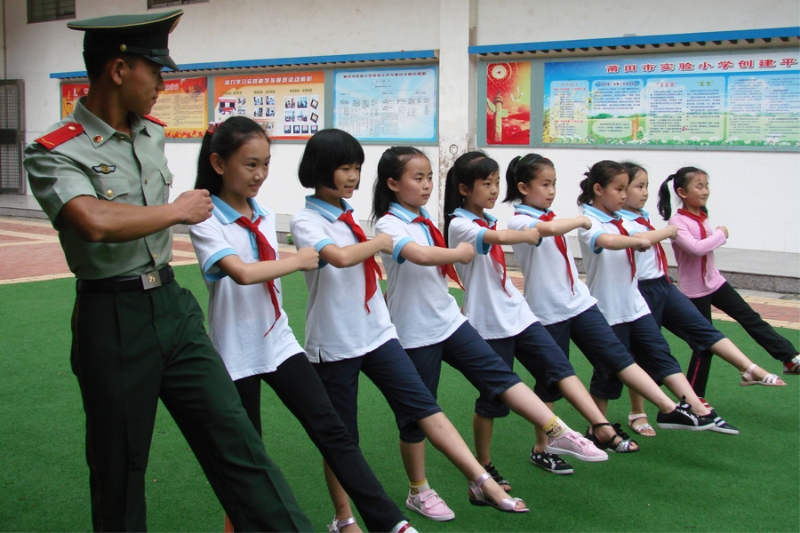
x=151, y=280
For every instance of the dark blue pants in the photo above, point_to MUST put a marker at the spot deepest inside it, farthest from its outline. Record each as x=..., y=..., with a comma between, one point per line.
x=466, y=351
x=540, y=355
x=593, y=336
x=644, y=340
x=391, y=370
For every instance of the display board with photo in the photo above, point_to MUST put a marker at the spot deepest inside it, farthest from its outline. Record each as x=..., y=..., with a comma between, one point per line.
x=287, y=105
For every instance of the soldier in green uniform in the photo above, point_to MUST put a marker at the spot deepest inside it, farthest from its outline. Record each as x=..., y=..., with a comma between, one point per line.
x=102, y=177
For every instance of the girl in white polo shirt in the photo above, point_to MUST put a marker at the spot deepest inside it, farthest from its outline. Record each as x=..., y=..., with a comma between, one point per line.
x=348, y=328
x=562, y=301
x=429, y=324
x=237, y=252
x=608, y=254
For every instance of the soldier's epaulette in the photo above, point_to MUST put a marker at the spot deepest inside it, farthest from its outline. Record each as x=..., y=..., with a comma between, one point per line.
x=154, y=119
x=60, y=136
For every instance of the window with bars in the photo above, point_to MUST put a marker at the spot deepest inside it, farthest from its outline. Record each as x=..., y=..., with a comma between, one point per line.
x=44, y=10
x=164, y=3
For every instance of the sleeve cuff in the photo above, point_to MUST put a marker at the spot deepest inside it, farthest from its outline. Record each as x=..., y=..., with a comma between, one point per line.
x=398, y=248
x=593, y=242
x=211, y=272
x=480, y=246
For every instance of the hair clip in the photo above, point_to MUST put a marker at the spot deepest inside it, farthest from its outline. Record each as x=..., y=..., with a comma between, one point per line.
x=212, y=127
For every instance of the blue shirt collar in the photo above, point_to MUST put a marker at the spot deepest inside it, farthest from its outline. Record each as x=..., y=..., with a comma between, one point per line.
x=325, y=209
x=630, y=215
x=599, y=215
x=523, y=209
x=228, y=215
x=404, y=214
x=461, y=212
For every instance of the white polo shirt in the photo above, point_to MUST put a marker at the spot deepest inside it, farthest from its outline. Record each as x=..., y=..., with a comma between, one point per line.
x=495, y=313
x=240, y=315
x=646, y=262
x=608, y=272
x=421, y=307
x=338, y=325
x=547, y=284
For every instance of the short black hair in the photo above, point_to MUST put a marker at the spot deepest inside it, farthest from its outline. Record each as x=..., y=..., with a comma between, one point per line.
x=326, y=151
x=96, y=62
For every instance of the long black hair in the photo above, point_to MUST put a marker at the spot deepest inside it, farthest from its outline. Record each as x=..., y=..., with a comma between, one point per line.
x=523, y=170
x=680, y=180
x=224, y=140
x=602, y=173
x=467, y=169
x=391, y=165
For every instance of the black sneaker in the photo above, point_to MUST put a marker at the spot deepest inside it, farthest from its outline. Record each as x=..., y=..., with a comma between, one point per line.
x=682, y=418
x=551, y=462
x=719, y=424
x=492, y=471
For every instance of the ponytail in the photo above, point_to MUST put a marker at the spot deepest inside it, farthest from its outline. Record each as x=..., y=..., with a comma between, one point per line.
x=523, y=170
x=586, y=195
x=223, y=139
x=664, y=200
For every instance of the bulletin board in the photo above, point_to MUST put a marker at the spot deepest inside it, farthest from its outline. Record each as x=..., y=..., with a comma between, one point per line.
x=738, y=100
x=398, y=104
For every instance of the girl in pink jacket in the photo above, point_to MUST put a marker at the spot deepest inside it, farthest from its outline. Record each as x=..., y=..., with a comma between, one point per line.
x=699, y=279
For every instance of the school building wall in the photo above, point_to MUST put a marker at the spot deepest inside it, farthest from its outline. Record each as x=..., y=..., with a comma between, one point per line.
x=753, y=193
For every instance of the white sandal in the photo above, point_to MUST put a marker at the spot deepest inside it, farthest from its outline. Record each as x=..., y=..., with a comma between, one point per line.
x=337, y=525
x=641, y=428
x=770, y=380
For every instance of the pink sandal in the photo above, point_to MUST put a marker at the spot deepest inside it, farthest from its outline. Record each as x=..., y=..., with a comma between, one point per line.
x=645, y=430
x=770, y=380
x=476, y=497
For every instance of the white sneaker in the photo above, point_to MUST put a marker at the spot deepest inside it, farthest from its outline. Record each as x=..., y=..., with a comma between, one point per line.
x=574, y=444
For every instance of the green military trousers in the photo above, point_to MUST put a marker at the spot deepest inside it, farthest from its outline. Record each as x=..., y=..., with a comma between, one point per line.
x=132, y=348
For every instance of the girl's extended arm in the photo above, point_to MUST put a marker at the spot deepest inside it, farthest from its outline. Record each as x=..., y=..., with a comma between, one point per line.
x=670, y=232
x=611, y=241
x=562, y=226
x=435, y=256
x=512, y=236
x=695, y=246
x=262, y=271
x=354, y=254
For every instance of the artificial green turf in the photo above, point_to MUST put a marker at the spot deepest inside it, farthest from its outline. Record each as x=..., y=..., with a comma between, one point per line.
x=680, y=481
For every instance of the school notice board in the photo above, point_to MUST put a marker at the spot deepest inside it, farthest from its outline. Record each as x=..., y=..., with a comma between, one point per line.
x=386, y=104
x=289, y=106
x=736, y=99
x=183, y=107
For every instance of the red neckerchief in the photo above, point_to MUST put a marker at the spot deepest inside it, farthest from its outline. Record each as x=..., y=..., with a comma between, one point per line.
x=661, y=255
x=371, y=268
x=447, y=270
x=265, y=253
x=631, y=257
x=495, y=250
x=561, y=244
x=699, y=219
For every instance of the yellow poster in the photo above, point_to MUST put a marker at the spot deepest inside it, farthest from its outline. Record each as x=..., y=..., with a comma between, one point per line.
x=183, y=106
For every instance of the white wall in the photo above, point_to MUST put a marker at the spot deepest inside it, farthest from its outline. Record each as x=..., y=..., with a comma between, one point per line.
x=752, y=192
x=522, y=21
